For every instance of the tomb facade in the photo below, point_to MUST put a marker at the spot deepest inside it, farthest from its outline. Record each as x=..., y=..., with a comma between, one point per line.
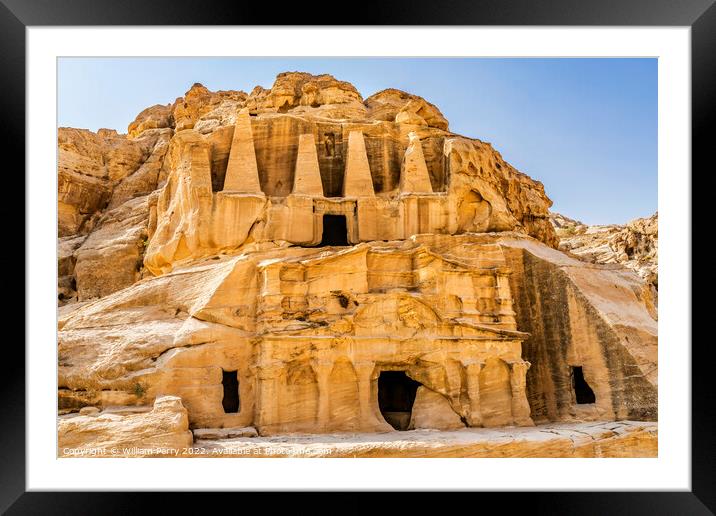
x=316, y=263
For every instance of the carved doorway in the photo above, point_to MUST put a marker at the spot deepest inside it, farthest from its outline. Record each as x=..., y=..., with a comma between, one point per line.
x=335, y=230
x=230, y=382
x=582, y=391
x=396, y=395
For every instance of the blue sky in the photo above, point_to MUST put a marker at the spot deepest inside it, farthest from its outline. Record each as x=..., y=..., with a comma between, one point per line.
x=586, y=128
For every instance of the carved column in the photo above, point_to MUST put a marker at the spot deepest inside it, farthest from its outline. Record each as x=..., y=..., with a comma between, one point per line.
x=472, y=373
x=518, y=383
x=323, y=369
x=267, y=399
x=364, y=371
x=502, y=285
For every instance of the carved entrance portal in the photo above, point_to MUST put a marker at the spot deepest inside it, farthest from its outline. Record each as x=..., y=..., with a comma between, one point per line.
x=583, y=392
x=335, y=230
x=396, y=395
x=230, y=382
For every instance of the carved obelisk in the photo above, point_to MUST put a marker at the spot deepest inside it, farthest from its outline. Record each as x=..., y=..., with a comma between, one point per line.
x=357, y=181
x=307, y=177
x=242, y=172
x=414, y=175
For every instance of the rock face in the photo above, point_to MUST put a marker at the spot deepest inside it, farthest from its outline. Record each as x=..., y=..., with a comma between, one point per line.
x=588, y=322
x=89, y=167
x=101, y=180
x=432, y=410
x=634, y=245
x=301, y=260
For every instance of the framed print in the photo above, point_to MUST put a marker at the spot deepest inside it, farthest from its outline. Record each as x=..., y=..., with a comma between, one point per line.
x=407, y=257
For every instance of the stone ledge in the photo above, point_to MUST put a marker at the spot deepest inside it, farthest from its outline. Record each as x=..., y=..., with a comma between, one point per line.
x=584, y=440
x=224, y=433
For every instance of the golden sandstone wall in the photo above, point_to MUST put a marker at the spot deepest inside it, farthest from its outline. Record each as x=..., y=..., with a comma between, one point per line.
x=301, y=260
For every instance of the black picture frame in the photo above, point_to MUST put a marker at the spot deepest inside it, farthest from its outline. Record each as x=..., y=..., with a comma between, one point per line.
x=700, y=15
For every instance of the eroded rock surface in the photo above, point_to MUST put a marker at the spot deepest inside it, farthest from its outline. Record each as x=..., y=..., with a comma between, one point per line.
x=89, y=166
x=580, y=440
x=157, y=432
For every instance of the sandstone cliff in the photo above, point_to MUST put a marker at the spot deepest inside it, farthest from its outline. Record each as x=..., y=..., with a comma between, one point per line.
x=103, y=181
x=301, y=259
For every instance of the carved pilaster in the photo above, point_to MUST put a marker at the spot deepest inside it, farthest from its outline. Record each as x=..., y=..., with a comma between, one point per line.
x=364, y=371
x=323, y=369
x=472, y=374
x=267, y=396
x=518, y=383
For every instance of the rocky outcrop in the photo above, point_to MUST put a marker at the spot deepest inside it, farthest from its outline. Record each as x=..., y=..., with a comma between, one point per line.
x=111, y=257
x=204, y=109
x=89, y=166
x=598, y=318
x=66, y=260
x=154, y=117
x=634, y=245
x=303, y=93
x=97, y=174
x=432, y=410
x=144, y=180
x=161, y=431
x=494, y=191
x=397, y=106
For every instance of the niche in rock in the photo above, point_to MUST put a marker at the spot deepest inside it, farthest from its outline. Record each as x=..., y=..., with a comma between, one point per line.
x=582, y=390
x=230, y=401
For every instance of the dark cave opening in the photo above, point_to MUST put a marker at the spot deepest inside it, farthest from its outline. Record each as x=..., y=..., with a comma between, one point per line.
x=231, y=401
x=582, y=390
x=335, y=230
x=396, y=395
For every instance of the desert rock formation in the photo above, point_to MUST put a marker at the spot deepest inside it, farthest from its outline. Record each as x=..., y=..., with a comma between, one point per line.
x=126, y=433
x=634, y=245
x=301, y=260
